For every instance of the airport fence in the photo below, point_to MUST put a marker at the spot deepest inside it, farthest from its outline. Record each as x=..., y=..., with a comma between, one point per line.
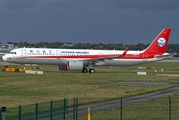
x=96, y=109
x=39, y=111
x=158, y=109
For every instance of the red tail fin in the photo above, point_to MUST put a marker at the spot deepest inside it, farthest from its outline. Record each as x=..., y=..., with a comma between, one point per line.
x=159, y=45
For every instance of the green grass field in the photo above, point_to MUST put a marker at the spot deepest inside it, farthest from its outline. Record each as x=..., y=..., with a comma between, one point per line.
x=157, y=109
x=21, y=89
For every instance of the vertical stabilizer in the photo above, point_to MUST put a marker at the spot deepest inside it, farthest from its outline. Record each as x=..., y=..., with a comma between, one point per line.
x=159, y=44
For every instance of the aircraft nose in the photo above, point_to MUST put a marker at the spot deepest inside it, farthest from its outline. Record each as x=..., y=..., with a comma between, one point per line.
x=4, y=58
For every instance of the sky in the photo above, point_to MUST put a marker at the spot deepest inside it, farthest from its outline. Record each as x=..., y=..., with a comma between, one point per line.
x=88, y=21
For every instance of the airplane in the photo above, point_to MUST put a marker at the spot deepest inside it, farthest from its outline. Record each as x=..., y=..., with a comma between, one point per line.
x=80, y=59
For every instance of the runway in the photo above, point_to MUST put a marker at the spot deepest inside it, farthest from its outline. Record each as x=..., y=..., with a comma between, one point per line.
x=7, y=63
x=170, y=60
x=114, y=103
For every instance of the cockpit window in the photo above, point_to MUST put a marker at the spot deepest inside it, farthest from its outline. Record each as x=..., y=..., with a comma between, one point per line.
x=12, y=53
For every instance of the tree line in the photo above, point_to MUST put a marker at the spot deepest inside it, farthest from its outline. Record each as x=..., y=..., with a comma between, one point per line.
x=172, y=48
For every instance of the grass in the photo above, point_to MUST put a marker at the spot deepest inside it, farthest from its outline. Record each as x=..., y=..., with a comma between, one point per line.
x=152, y=110
x=22, y=89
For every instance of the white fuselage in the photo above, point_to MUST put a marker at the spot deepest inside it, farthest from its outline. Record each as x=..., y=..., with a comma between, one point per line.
x=61, y=56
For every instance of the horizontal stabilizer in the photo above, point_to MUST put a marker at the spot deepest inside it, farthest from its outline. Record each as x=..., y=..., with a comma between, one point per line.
x=165, y=55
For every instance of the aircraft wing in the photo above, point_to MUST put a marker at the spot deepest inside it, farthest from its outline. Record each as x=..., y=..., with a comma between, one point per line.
x=108, y=58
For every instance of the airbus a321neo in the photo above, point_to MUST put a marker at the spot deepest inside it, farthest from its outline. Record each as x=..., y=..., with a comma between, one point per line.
x=80, y=59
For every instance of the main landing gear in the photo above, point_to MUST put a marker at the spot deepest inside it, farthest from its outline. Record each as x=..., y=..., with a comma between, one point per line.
x=91, y=70
x=85, y=70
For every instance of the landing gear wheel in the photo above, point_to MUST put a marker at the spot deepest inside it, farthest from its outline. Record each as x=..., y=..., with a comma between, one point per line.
x=91, y=70
x=85, y=70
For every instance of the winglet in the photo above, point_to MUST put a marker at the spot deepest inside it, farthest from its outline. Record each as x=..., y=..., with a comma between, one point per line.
x=126, y=50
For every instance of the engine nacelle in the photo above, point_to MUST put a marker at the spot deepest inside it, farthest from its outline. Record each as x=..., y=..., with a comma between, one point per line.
x=71, y=65
x=62, y=67
x=74, y=65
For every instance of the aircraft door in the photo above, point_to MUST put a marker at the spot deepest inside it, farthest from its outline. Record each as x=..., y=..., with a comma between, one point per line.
x=58, y=52
x=100, y=55
x=23, y=53
x=145, y=56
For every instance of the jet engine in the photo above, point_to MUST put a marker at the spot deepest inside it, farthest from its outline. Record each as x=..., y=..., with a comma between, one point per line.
x=71, y=65
x=74, y=65
x=62, y=67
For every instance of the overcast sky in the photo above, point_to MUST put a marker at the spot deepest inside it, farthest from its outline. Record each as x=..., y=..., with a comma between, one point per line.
x=88, y=21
